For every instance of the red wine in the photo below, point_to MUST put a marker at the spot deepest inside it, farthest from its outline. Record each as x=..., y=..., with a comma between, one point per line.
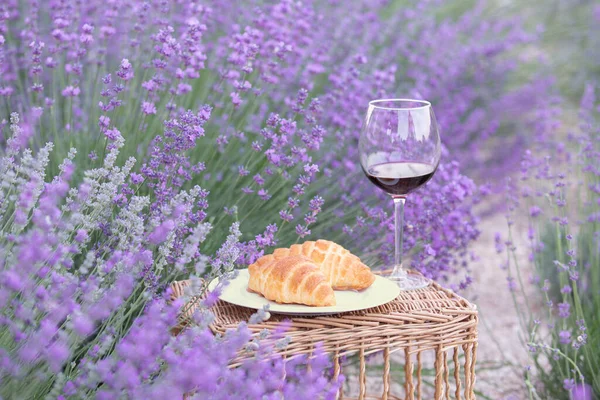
x=400, y=178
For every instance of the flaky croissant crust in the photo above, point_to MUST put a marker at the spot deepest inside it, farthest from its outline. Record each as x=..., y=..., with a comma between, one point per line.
x=293, y=279
x=343, y=269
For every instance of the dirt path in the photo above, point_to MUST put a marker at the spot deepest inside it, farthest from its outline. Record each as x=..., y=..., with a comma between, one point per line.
x=499, y=332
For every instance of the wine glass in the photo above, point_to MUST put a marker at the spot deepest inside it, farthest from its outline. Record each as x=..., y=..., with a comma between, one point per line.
x=400, y=150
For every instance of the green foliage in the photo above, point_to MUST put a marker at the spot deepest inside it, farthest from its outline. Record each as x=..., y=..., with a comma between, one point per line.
x=562, y=335
x=584, y=300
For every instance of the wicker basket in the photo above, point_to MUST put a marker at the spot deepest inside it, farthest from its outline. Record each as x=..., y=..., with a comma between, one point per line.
x=433, y=328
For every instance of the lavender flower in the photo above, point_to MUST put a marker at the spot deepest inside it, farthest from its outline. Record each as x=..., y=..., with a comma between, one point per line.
x=79, y=308
x=569, y=384
x=564, y=337
x=564, y=310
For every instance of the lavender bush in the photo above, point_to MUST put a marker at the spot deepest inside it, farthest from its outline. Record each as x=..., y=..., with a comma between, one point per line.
x=83, y=313
x=275, y=77
x=559, y=192
x=123, y=121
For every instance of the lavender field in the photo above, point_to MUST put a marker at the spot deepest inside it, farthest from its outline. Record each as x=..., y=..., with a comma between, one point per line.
x=143, y=142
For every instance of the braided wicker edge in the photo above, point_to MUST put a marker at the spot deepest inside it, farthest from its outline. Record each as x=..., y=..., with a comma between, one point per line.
x=427, y=317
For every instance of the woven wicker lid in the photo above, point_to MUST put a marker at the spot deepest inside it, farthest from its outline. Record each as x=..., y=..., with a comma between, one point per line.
x=427, y=317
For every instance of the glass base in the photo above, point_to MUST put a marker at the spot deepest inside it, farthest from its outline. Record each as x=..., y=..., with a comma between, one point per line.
x=410, y=281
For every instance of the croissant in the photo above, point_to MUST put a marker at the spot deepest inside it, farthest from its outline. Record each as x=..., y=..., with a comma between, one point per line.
x=343, y=269
x=294, y=279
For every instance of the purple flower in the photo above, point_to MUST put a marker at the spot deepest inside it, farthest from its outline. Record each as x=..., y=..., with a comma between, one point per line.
x=564, y=310
x=148, y=108
x=273, y=157
x=311, y=169
x=70, y=91
x=81, y=235
x=236, y=100
x=82, y=325
x=569, y=384
x=267, y=238
x=256, y=146
x=136, y=179
x=316, y=203
x=302, y=231
x=573, y=275
x=125, y=72
x=264, y=194
x=273, y=120
x=512, y=285
x=286, y=215
x=546, y=286
x=259, y=180
x=243, y=171
x=57, y=354
x=160, y=233
x=112, y=134
x=293, y=202
x=86, y=37
x=564, y=337
x=309, y=219
x=535, y=211
x=566, y=289
x=104, y=122
x=583, y=391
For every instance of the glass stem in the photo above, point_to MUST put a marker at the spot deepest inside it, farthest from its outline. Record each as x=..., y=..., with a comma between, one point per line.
x=398, y=272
